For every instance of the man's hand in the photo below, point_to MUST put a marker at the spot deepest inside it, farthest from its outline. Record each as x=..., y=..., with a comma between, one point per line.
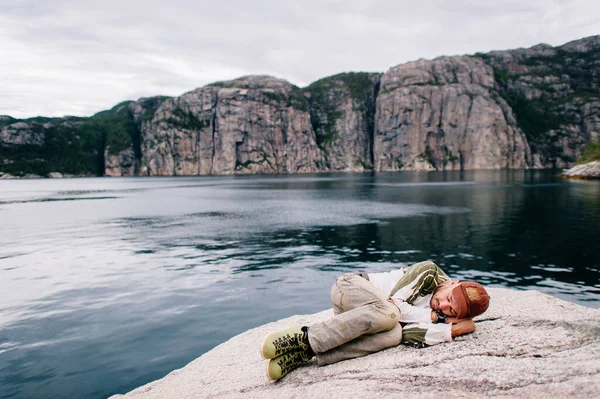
x=434, y=317
x=461, y=327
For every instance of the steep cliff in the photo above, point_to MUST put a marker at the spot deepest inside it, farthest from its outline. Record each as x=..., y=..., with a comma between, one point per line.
x=255, y=124
x=342, y=114
x=106, y=143
x=43, y=145
x=445, y=114
x=122, y=128
x=524, y=108
x=555, y=95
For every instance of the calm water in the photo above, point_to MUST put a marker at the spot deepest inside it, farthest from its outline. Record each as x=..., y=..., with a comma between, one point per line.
x=107, y=284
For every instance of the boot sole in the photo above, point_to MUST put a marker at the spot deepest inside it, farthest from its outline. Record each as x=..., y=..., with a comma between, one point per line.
x=269, y=375
x=262, y=354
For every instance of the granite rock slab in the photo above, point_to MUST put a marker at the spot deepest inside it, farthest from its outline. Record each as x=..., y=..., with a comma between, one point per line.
x=527, y=344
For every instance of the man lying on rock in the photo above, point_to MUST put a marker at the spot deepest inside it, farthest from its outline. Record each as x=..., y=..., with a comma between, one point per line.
x=424, y=308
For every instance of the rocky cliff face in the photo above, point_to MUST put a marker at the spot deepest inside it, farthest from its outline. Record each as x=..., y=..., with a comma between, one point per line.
x=342, y=112
x=256, y=124
x=522, y=108
x=123, y=151
x=445, y=114
x=22, y=133
x=43, y=145
x=555, y=95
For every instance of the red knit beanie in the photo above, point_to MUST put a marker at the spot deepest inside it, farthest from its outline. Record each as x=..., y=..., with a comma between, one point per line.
x=472, y=299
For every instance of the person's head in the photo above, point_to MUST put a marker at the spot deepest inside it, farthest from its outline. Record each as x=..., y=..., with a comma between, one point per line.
x=460, y=299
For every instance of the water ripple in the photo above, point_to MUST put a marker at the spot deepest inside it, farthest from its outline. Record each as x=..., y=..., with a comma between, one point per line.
x=97, y=297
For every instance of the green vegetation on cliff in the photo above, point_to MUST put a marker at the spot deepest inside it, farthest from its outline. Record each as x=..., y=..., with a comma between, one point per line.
x=295, y=98
x=358, y=84
x=327, y=96
x=150, y=105
x=547, y=88
x=187, y=120
x=591, y=152
x=535, y=117
x=6, y=120
x=324, y=109
x=116, y=127
x=72, y=144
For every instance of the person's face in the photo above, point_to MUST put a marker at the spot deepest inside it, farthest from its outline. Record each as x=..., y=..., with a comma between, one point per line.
x=443, y=299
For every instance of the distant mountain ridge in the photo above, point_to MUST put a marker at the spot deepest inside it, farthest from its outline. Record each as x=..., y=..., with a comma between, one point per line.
x=523, y=108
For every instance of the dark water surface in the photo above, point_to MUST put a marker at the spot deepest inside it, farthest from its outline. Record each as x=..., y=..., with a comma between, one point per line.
x=107, y=284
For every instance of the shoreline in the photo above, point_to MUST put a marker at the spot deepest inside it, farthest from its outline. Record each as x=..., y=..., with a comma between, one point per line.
x=585, y=171
x=58, y=175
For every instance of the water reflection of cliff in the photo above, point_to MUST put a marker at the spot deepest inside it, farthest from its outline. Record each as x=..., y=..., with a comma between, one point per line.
x=516, y=228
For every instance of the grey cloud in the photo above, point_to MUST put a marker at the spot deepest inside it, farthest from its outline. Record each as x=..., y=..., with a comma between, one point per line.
x=80, y=57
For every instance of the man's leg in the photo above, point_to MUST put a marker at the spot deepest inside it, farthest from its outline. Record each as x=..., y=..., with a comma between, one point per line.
x=360, y=309
x=362, y=346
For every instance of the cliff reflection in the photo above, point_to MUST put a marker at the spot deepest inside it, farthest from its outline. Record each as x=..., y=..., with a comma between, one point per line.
x=500, y=227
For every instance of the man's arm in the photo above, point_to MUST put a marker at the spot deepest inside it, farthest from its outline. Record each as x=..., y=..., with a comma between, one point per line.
x=420, y=335
x=462, y=327
x=412, y=314
x=418, y=280
x=459, y=326
x=427, y=334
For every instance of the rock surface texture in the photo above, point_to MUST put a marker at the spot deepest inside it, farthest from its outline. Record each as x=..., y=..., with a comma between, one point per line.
x=590, y=170
x=255, y=124
x=527, y=344
x=445, y=114
x=342, y=114
x=555, y=94
x=21, y=133
x=523, y=108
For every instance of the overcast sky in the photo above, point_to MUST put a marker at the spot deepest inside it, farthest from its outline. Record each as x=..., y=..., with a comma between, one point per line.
x=77, y=57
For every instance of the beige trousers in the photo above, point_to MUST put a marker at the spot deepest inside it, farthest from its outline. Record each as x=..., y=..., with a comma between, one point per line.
x=365, y=322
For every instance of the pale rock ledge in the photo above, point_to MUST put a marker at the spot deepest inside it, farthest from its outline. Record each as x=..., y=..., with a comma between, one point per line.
x=589, y=170
x=527, y=344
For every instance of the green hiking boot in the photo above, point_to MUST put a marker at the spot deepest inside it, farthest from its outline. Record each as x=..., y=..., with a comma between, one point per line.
x=279, y=342
x=281, y=365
